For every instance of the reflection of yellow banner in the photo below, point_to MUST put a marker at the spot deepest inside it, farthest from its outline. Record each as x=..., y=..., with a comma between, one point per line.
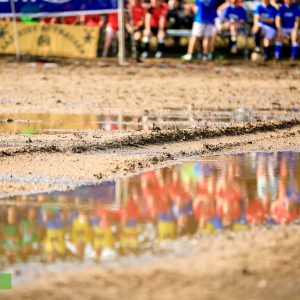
x=50, y=40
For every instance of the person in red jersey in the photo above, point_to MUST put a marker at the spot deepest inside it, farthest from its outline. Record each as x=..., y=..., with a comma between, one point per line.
x=92, y=20
x=155, y=25
x=112, y=27
x=49, y=20
x=70, y=20
x=136, y=25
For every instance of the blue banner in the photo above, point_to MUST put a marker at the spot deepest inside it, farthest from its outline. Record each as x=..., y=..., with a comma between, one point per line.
x=42, y=8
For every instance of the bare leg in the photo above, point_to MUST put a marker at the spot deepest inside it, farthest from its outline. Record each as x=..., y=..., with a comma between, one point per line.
x=110, y=33
x=192, y=44
x=205, y=45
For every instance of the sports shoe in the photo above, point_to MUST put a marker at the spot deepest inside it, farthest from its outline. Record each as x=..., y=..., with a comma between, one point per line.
x=209, y=56
x=145, y=54
x=199, y=56
x=187, y=57
x=158, y=54
x=204, y=58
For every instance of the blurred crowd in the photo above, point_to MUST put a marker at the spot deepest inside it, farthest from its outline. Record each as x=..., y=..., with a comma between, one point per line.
x=272, y=23
x=235, y=192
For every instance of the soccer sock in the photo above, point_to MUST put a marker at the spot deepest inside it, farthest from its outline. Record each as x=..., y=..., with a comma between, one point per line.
x=160, y=45
x=257, y=39
x=278, y=50
x=294, y=50
x=233, y=41
x=267, y=51
x=138, y=47
x=146, y=44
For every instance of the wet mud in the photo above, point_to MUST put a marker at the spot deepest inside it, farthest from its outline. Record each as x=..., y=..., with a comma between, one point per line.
x=156, y=136
x=259, y=263
x=216, y=205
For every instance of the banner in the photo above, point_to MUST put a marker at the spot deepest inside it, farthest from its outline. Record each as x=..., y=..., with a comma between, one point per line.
x=41, y=8
x=74, y=41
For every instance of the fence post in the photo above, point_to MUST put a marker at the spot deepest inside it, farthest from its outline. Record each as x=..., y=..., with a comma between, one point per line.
x=15, y=29
x=121, y=32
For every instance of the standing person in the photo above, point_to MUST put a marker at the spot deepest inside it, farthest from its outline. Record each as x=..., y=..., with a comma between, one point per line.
x=235, y=17
x=111, y=31
x=136, y=27
x=70, y=20
x=264, y=26
x=204, y=28
x=287, y=23
x=155, y=25
x=92, y=20
x=49, y=20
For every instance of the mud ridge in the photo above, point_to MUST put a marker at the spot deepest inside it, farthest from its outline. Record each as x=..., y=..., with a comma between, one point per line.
x=139, y=139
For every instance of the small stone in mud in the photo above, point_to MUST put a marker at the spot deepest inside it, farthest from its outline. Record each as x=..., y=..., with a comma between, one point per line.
x=9, y=120
x=245, y=271
x=58, y=101
x=98, y=176
x=262, y=284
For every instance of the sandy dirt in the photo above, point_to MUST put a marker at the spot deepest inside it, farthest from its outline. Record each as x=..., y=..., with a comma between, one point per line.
x=259, y=265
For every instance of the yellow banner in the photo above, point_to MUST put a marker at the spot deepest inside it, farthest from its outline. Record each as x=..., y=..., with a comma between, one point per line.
x=74, y=41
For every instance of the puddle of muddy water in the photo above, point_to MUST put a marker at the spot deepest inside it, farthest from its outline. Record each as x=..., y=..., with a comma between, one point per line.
x=68, y=123
x=138, y=214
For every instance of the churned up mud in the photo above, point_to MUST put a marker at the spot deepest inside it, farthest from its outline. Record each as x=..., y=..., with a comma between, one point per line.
x=258, y=264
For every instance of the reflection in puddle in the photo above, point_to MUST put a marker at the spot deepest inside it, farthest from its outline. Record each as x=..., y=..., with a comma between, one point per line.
x=62, y=124
x=134, y=214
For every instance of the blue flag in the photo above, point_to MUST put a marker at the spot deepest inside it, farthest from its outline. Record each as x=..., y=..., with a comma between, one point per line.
x=42, y=8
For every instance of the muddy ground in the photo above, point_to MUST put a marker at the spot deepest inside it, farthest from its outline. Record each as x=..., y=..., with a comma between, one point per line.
x=261, y=265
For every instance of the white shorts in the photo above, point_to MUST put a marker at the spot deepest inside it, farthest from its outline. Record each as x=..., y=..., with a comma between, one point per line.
x=288, y=31
x=203, y=30
x=268, y=32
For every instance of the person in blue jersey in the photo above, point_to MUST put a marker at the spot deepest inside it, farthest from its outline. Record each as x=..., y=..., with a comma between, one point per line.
x=264, y=26
x=235, y=17
x=204, y=28
x=287, y=23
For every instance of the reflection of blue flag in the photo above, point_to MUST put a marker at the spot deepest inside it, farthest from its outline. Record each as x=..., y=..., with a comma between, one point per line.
x=40, y=8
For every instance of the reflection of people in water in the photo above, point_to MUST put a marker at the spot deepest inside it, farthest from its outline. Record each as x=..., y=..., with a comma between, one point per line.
x=229, y=197
x=284, y=209
x=129, y=217
x=30, y=233
x=211, y=196
x=204, y=203
x=55, y=238
x=81, y=232
x=102, y=234
x=11, y=235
